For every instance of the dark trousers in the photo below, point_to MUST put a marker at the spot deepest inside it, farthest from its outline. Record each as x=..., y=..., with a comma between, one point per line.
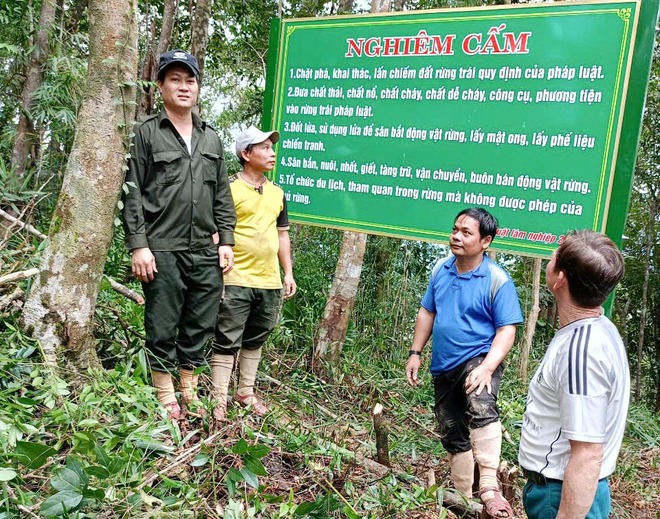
x=247, y=317
x=181, y=307
x=458, y=412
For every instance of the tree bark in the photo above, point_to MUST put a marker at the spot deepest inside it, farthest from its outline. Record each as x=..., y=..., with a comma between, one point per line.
x=60, y=306
x=333, y=326
x=382, y=433
x=532, y=319
x=199, y=28
x=23, y=150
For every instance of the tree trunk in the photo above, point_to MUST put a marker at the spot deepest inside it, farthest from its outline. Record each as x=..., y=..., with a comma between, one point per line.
x=199, y=29
x=60, y=306
x=150, y=65
x=532, y=319
x=650, y=240
x=333, y=326
x=23, y=151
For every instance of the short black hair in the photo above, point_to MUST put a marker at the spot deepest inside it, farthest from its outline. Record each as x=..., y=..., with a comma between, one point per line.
x=487, y=222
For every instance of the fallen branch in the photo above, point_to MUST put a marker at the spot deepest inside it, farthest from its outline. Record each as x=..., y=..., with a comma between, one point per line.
x=125, y=291
x=29, y=228
x=9, y=298
x=115, y=285
x=17, y=276
x=25, y=510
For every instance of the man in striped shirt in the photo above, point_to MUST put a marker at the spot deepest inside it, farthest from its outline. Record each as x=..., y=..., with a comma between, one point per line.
x=578, y=399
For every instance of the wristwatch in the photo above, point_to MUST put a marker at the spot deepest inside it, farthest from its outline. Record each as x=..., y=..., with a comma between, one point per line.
x=414, y=352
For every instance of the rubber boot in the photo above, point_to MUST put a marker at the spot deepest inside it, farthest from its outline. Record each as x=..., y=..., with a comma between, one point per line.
x=165, y=393
x=462, y=471
x=221, y=369
x=248, y=364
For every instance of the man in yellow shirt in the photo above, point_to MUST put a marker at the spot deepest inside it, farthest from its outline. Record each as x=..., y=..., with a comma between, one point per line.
x=254, y=288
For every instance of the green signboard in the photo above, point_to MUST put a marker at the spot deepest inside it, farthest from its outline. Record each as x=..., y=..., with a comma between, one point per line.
x=391, y=124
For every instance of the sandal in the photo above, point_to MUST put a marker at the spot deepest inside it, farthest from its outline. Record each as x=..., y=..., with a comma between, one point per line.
x=254, y=402
x=496, y=506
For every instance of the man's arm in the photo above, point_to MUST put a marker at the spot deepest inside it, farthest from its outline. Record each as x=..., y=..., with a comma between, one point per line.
x=580, y=479
x=224, y=213
x=479, y=377
x=284, y=255
x=423, y=331
x=143, y=263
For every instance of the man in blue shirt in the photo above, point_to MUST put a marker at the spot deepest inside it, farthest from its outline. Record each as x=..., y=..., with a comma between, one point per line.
x=471, y=308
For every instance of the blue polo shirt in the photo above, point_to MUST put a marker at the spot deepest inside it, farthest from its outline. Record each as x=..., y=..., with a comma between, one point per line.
x=468, y=310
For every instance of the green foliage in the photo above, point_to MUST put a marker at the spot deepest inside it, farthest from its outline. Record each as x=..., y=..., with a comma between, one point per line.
x=637, y=304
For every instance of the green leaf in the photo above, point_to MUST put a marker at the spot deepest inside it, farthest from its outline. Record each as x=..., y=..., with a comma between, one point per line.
x=67, y=480
x=200, y=460
x=350, y=513
x=307, y=507
x=234, y=475
x=259, y=450
x=7, y=474
x=60, y=503
x=250, y=477
x=125, y=398
x=102, y=456
x=89, y=422
x=241, y=447
x=98, y=472
x=97, y=494
x=231, y=485
x=73, y=463
x=254, y=465
x=33, y=455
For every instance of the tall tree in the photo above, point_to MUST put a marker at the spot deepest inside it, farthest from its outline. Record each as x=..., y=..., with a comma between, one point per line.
x=337, y=313
x=24, y=142
x=150, y=63
x=200, y=14
x=532, y=318
x=60, y=306
x=334, y=324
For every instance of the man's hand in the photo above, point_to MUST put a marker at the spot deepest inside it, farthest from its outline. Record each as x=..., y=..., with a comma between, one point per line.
x=290, y=287
x=479, y=378
x=412, y=367
x=143, y=264
x=226, y=258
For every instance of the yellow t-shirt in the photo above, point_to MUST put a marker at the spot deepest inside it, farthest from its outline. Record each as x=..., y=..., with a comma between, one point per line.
x=259, y=216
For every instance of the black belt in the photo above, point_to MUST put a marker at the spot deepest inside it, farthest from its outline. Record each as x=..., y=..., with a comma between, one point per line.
x=538, y=478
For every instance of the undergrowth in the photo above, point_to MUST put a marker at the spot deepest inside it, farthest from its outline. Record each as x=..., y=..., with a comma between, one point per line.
x=107, y=450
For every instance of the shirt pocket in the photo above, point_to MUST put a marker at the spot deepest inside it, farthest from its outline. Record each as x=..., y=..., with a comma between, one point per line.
x=211, y=161
x=168, y=167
